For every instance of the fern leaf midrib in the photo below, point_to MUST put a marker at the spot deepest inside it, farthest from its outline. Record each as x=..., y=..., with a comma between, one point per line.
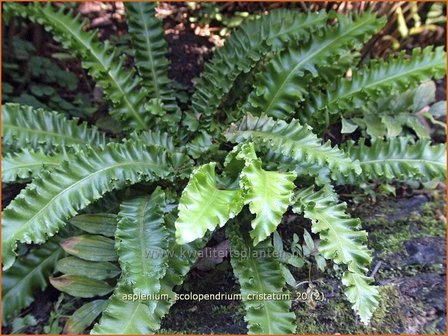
x=105, y=69
x=402, y=160
x=129, y=323
x=262, y=290
x=29, y=274
x=58, y=135
x=209, y=202
x=384, y=79
x=322, y=218
x=76, y=184
x=311, y=56
x=141, y=230
x=34, y=164
x=288, y=31
x=148, y=43
x=306, y=147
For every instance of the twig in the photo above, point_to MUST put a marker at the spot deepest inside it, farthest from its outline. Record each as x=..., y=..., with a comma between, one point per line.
x=375, y=270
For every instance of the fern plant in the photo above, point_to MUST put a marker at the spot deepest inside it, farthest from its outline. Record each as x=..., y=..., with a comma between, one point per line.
x=249, y=148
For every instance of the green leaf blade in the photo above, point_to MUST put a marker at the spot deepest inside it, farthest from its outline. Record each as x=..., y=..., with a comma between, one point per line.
x=343, y=242
x=377, y=80
x=84, y=316
x=397, y=159
x=52, y=198
x=24, y=126
x=294, y=141
x=268, y=193
x=284, y=80
x=203, y=206
x=150, y=50
x=259, y=273
x=28, y=276
x=247, y=45
x=142, y=242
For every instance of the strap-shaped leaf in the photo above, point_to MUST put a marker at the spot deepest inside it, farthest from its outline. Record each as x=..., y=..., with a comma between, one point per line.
x=28, y=275
x=390, y=126
x=99, y=223
x=377, y=80
x=259, y=273
x=121, y=85
x=247, y=45
x=397, y=159
x=90, y=247
x=84, y=317
x=179, y=264
x=203, y=206
x=150, y=50
x=81, y=286
x=141, y=242
x=292, y=140
x=24, y=126
x=342, y=242
x=126, y=317
x=284, y=82
x=93, y=269
x=42, y=208
x=268, y=193
x=28, y=163
x=181, y=162
x=276, y=161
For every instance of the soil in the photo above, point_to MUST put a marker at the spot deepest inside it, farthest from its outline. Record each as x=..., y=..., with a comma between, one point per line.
x=188, y=52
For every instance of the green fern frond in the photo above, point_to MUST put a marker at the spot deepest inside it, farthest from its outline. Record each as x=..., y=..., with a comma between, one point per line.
x=28, y=275
x=84, y=317
x=28, y=163
x=180, y=262
x=141, y=242
x=292, y=140
x=24, y=126
x=284, y=82
x=259, y=273
x=131, y=317
x=399, y=159
x=342, y=242
x=380, y=125
x=377, y=80
x=268, y=193
x=98, y=270
x=203, y=206
x=279, y=162
x=104, y=224
x=247, y=45
x=43, y=206
x=150, y=50
x=121, y=85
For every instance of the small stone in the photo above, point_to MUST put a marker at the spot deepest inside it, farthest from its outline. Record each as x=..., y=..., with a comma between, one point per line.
x=424, y=251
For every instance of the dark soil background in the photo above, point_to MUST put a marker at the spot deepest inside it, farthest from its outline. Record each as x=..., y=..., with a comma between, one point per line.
x=408, y=232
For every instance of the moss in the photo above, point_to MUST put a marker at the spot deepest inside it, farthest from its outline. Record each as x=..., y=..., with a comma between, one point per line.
x=337, y=316
x=388, y=317
x=387, y=236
